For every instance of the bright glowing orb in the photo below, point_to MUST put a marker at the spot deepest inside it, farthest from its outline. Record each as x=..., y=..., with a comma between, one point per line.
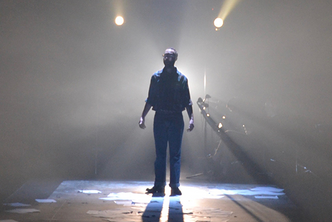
x=119, y=20
x=218, y=22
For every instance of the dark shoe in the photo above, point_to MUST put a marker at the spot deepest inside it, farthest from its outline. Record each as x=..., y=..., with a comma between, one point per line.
x=175, y=191
x=156, y=190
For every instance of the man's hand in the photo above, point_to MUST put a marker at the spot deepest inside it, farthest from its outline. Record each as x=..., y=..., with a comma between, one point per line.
x=141, y=123
x=191, y=125
x=189, y=109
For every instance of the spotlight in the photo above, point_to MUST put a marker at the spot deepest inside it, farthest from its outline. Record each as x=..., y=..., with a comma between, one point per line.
x=218, y=22
x=119, y=20
x=220, y=125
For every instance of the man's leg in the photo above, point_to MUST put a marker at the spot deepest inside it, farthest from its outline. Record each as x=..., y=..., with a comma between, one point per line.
x=160, y=137
x=175, y=141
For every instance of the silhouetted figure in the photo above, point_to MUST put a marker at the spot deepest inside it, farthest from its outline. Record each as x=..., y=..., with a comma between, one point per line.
x=168, y=96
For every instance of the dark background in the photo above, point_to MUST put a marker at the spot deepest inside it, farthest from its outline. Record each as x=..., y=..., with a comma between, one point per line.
x=73, y=85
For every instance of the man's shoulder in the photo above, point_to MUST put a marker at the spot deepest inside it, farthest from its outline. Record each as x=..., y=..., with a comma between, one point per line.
x=181, y=75
x=157, y=74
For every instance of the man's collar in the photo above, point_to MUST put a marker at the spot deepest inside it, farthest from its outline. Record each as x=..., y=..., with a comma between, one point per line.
x=174, y=70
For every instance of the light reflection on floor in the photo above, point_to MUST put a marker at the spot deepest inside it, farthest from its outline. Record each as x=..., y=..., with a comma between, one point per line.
x=127, y=201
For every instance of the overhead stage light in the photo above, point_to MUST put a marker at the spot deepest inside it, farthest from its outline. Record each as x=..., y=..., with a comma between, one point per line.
x=226, y=8
x=119, y=20
x=218, y=22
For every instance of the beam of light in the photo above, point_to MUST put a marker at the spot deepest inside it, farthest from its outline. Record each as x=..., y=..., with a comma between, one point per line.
x=204, y=84
x=165, y=209
x=226, y=8
x=119, y=20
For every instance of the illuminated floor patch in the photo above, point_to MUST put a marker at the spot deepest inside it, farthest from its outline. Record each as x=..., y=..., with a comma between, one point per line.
x=126, y=201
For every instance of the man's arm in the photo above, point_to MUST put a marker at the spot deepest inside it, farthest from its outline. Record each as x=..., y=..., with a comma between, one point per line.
x=189, y=109
x=146, y=109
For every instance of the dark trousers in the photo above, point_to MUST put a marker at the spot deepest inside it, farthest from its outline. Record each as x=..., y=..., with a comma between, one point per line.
x=168, y=129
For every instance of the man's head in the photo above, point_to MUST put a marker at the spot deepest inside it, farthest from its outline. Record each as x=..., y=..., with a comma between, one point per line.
x=169, y=57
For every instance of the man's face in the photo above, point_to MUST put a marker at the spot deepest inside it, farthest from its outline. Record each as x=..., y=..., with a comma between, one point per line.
x=169, y=58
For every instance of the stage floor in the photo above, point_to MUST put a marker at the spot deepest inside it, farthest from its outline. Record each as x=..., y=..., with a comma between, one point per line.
x=124, y=201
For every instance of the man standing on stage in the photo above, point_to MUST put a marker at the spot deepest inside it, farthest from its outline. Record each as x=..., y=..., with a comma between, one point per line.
x=168, y=96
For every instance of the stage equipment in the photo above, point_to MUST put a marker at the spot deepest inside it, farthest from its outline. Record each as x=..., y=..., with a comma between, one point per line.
x=223, y=130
